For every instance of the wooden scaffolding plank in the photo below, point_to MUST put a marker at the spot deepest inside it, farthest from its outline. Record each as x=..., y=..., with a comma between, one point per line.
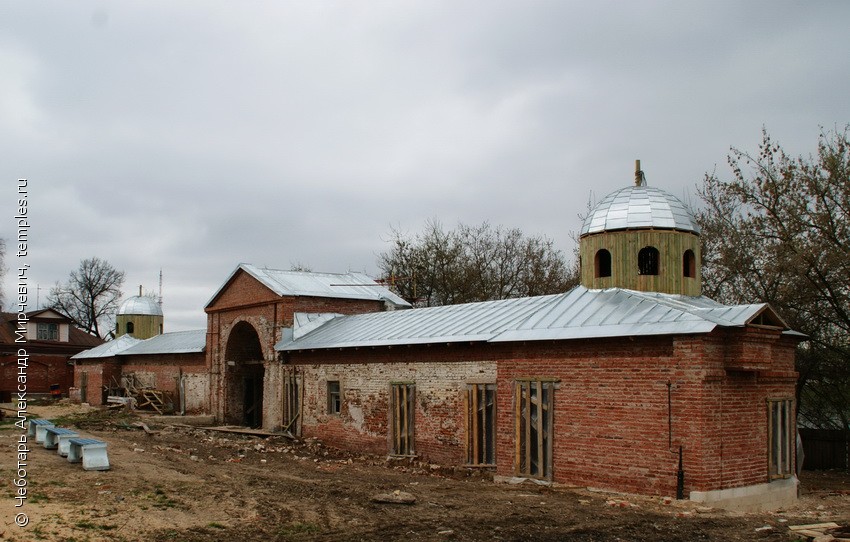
x=475, y=428
x=518, y=427
x=541, y=460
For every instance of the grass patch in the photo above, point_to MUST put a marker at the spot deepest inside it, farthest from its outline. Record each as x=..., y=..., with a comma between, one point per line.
x=36, y=498
x=96, y=418
x=216, y=525
x=161, y=500
x=85, y=524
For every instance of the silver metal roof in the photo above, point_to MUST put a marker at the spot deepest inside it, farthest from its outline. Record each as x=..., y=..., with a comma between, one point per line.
x=307, y=283
x=639, y=207
x=140, y=305
x=450, y=323
x=577, y=314
x=176, y=342
x=108, y=349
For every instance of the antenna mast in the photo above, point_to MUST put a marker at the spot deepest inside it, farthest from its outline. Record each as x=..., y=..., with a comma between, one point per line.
x=160, y=288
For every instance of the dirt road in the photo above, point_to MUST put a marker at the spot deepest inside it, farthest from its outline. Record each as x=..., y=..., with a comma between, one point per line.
x=197, y=485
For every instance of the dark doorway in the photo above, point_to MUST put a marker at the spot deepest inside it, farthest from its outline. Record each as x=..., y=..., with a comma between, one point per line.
x=253, y=401
x=244, y=377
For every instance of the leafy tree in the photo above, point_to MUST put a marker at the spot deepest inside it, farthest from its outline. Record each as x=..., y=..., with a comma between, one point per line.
x=473, y=263
x=779, y=231
x=90, y=297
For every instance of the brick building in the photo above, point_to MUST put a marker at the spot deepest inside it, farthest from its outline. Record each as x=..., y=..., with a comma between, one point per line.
x=174, y=363
x=632, y=381
x=251, y=312
x=142, y=355
x=51, y=340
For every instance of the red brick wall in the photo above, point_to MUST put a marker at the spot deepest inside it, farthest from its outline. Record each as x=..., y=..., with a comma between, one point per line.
x=439, y=372
x=100, y=372
x=160, y=371
x=42, y=371
x=163, y=371
x=246, y=299
x=612, y=422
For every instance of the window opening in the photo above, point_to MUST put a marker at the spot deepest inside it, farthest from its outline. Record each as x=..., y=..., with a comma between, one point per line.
x=689, y=264
x=334, y=402
x=780, y=432
x=603, y=263
x=47, y=331
x=648, y=261
x=481, y=424
x=402, y=414
x=534, y=409
x=129, y=328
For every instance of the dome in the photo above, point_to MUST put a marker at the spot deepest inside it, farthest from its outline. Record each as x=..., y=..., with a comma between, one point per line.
x=637, y=207
x=140, y=305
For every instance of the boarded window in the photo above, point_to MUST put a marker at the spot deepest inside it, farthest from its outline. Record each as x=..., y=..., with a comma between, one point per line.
x=534, y=401
x=780, y=431
x=602, y=263
x=481, y=424
x=648, y=261
x=291, y=400
x=402, y=407
x=334, y=401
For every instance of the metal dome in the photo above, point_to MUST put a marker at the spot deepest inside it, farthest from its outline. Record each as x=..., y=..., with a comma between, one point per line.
x=140, y=305
x=636, y=207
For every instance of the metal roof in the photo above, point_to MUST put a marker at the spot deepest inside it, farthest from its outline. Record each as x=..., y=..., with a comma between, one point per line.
x=108, y=349
x=140, y=305
x=450, y=323
x=578, y=314
x=307, y=283
x=639, y=207
x=176, y=342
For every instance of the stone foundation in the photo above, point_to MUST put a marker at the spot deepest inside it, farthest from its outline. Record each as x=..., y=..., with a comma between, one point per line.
x=757, y=498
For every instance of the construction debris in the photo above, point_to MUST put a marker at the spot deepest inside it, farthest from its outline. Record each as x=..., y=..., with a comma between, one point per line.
x=131, y=393
x=396, y=497
x=821, y=532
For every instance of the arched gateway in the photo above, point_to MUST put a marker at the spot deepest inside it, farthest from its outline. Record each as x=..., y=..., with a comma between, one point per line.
x=244, y=374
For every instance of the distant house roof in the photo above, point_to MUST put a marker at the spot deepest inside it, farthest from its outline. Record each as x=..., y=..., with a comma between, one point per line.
x=307, y=283
x=76, y=337
x=579, y=313
x=176, y=342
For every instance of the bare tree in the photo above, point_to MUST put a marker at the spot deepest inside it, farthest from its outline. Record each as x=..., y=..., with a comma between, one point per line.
x=90, y=297
x=473, y=263
x=779, y=231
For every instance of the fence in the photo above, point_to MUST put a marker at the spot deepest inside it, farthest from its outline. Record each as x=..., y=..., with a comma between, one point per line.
x=825, y=449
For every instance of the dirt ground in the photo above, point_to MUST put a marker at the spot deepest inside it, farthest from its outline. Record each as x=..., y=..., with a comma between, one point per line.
x=191, y=484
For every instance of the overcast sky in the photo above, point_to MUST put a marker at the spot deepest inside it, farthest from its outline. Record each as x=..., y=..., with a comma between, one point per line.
x=192, y=136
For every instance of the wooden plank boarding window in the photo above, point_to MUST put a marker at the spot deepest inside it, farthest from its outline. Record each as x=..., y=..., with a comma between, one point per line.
x=481, y=424
x=779, y=436
x=534, y=402
x=291, y=400
x=402, y=408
